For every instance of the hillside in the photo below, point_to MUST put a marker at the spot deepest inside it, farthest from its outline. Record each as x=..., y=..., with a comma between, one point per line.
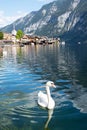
x=65, y=18
x=78, y=18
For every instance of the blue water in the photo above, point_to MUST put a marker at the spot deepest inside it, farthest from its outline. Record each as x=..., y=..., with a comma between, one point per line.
x=25, y=70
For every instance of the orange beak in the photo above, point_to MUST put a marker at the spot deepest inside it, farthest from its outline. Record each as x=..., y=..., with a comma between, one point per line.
x=53, y=86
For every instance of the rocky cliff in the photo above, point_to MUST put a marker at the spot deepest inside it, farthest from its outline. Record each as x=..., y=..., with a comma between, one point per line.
x=64, y=18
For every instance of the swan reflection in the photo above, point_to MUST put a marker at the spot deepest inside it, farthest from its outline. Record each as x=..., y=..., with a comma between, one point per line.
x=50, y=113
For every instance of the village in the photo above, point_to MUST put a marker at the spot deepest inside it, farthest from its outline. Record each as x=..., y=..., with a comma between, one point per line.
x=27, y=39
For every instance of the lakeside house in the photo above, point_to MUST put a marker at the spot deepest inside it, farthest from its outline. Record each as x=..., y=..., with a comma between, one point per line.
x=27, y=39
x=7, y=36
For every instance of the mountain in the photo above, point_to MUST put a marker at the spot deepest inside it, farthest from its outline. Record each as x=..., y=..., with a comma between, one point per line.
x=64, y=18
x=75, y=28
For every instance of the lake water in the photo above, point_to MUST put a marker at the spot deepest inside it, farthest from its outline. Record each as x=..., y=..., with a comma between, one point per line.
x=25, y=70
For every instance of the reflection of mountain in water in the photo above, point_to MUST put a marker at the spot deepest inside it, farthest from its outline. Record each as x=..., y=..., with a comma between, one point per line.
x=78, y=91
x=68, y=64
x=64, y=65
x=78, y=95
x=81, y=103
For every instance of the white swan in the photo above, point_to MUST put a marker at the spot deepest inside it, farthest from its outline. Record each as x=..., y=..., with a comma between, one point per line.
x=45, y=100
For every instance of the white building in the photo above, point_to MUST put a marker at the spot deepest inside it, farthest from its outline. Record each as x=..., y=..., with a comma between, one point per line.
x=14, y=32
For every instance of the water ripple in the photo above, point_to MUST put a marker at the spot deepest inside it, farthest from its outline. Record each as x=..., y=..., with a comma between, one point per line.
x=24, y=72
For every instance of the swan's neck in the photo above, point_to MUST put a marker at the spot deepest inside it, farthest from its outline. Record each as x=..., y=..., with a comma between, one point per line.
x=48, y=91
x=48, y=94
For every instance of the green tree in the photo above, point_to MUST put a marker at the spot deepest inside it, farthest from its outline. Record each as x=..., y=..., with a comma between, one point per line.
x=1, y=35
x=19, y=34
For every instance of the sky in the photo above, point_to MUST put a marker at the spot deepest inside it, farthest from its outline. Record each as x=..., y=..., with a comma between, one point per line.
x=11, y=10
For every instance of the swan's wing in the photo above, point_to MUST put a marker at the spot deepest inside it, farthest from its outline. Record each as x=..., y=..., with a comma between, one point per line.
x=42, y=99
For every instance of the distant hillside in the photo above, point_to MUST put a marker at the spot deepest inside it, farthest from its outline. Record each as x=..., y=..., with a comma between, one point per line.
x=78, y=18
x=65, y=18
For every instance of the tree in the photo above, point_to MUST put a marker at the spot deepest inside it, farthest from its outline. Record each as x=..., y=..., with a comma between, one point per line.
x=1, y=35
x=19, y=34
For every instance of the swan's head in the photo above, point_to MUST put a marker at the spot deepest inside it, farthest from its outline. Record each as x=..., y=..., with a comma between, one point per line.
x=50, y=84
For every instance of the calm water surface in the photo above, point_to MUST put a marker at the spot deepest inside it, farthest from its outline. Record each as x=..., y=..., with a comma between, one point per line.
x=24, y=71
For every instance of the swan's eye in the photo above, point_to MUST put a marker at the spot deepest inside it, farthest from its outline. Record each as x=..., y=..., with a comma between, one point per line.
x=52, y=83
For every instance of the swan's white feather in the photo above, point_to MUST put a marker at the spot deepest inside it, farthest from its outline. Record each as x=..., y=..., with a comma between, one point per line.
x=43, y=100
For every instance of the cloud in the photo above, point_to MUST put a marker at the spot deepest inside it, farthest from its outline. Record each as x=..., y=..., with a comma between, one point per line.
x=6, y=20
x=46, y=1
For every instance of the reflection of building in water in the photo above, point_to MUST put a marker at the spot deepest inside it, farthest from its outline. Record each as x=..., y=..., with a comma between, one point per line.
x=1, y=51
